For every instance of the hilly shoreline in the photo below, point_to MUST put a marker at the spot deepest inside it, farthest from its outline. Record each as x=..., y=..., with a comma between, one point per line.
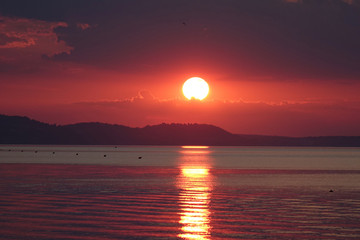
x=23, y=130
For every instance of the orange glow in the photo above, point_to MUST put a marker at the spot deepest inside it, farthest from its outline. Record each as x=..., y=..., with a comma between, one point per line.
x=196, y=88
x=194, y=202
x=195, y=173
x=195, y=184
x=195, y=147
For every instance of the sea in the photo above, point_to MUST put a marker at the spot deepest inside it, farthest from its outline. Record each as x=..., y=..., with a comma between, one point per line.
x=178, y=192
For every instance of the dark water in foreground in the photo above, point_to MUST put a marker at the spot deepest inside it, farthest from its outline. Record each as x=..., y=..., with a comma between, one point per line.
x=194, y=195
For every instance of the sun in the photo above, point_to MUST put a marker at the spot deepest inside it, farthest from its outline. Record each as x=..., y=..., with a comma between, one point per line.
x=196, y=88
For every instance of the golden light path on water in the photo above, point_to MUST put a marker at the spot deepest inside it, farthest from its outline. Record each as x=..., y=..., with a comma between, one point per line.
x=195, y=183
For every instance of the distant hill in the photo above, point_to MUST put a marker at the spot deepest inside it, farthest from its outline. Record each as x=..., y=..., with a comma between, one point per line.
x=22, y=130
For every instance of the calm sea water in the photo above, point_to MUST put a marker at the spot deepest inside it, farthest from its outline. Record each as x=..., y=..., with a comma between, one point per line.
x=96, y=192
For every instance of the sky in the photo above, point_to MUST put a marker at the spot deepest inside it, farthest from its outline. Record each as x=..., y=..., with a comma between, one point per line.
x=275, y=67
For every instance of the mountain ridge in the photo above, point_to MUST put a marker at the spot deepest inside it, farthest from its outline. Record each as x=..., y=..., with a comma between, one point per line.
x=23, y=130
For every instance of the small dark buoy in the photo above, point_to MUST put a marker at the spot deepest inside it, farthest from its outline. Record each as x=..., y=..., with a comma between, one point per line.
x=77, y=154
x=104, y=155
x=184, y=23
x=53, y=152
x=22, y=150
x=139, y=157
x=331, y=190
x=36, y=151
x=9, y=150
x=115, y=147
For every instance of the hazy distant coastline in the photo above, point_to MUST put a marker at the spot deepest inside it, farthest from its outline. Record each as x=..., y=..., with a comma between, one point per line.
x=23, y=130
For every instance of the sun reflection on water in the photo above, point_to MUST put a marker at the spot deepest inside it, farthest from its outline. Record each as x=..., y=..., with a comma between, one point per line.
x=195, y=189
x=195, y=147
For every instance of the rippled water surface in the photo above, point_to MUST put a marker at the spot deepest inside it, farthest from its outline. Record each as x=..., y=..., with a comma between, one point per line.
x=135, y=192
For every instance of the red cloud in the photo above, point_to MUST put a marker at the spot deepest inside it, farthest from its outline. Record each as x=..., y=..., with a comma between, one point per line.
x=25, y=33
x=24, y=43
x=83, y=26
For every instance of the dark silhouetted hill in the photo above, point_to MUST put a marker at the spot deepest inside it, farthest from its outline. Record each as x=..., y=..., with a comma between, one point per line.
x=22, y=130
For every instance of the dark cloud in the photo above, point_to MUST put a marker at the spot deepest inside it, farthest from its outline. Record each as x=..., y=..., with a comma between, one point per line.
x=41, y=9
x=247, y=38
x=277, y=39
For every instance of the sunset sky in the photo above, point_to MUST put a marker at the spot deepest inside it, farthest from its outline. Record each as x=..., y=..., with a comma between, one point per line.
x=275, y=67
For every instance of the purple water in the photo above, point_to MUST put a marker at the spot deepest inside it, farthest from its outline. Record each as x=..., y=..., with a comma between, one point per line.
x=179, y=193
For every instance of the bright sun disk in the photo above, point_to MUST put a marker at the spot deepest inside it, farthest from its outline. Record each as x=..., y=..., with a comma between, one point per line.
x=196, y=88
